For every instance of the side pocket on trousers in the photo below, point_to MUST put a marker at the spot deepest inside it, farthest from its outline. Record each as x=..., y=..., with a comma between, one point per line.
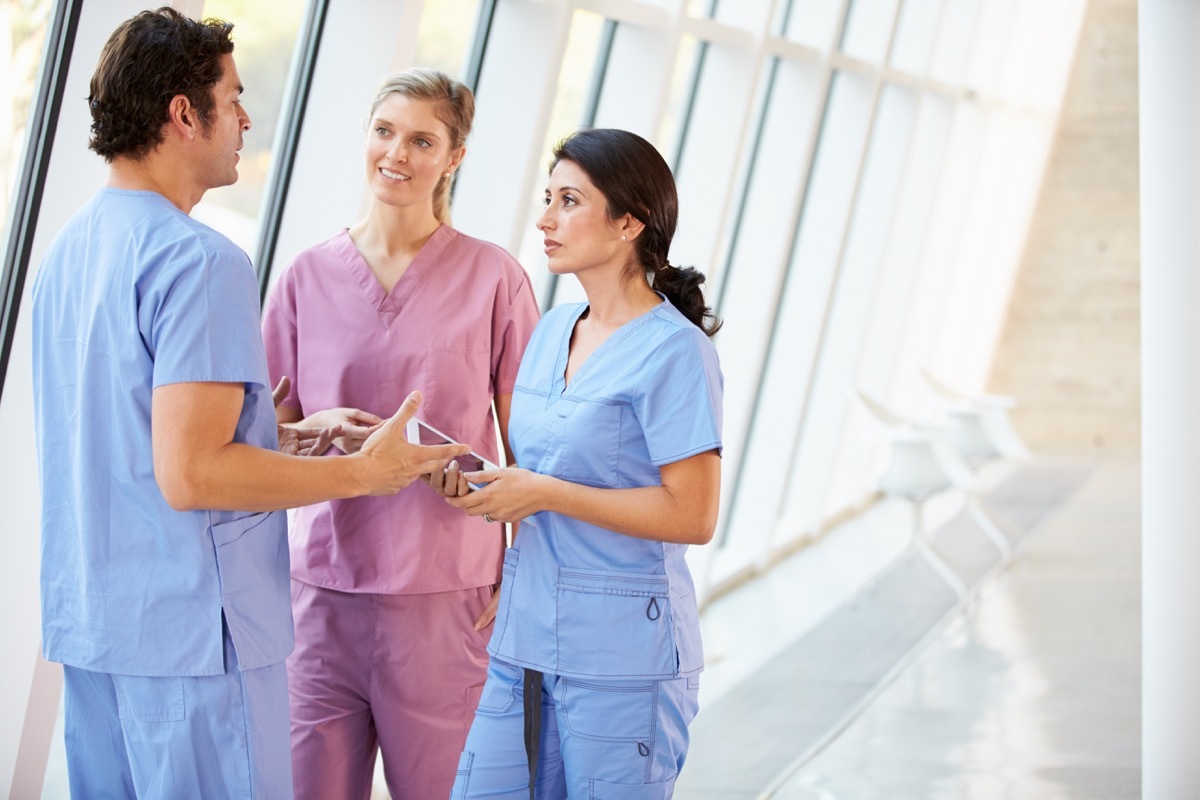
x=462, y=778
x=604, y=790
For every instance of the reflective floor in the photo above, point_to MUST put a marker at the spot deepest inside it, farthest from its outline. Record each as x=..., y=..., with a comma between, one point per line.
x=1032, y=692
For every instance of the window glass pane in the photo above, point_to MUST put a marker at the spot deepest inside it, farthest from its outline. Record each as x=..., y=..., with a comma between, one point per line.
x=955, y=38
x=708, y=165
x=1057, y=54
x=23, y=30
x=574, y=81
x=987, y=51
x=444, y=38
x=941, y=257
x=264, y=36
x=683, y=82
x=993, y=233
x=813, y=22
x=749, y=15
x=914, y=35
x=906, y=241
x=868, y=29
x=1025, y=41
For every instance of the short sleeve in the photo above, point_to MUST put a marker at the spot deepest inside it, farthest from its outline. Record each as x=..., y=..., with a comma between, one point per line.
x=203, y=325
x=511, y=329
x=678, y=401
x=279, y=337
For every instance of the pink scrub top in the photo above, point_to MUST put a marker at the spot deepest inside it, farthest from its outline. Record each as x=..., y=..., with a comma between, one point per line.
x=454, y=327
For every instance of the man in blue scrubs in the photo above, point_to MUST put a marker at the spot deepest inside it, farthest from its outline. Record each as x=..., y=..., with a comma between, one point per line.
x=165, y=589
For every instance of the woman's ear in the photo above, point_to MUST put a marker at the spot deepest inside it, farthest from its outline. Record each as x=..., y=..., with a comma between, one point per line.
x=630, y=227
x=455, y=160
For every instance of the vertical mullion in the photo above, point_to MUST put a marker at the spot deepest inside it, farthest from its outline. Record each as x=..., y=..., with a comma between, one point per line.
x=287, y=141
x=479, y=43
x=39, y=144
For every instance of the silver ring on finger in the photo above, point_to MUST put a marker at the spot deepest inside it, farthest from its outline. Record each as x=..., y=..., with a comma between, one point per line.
x=486, y=518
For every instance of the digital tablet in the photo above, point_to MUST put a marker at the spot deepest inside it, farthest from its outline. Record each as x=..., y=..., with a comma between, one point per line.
x=420, y=432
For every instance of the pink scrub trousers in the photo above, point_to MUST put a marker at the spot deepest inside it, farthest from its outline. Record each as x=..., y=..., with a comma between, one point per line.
x=399, y=672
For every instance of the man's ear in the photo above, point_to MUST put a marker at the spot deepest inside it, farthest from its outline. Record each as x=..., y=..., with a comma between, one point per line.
x=182, y=117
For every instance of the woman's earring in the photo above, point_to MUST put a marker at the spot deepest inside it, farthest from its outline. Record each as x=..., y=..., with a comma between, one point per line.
x=622, y=238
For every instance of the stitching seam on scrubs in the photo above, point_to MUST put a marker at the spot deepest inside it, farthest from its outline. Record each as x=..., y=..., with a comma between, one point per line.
x=507, y=575
x=627, y=577
x=611, y=592
x=670, y=459
x=464, y=776
x=653, y=730
x=241, y=682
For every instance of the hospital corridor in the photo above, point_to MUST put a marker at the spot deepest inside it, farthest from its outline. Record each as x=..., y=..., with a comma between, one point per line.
x=932, y=414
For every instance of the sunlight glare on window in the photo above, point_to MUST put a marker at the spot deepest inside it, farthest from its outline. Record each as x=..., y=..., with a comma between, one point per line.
x=264, y=37
x=444, y=38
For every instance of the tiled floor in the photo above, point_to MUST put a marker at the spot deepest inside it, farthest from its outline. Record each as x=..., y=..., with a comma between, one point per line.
x=1032, y=693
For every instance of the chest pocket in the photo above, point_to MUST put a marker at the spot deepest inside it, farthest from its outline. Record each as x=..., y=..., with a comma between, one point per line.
x=589, y=444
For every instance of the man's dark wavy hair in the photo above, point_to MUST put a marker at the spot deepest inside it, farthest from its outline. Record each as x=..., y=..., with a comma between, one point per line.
x=148, y=60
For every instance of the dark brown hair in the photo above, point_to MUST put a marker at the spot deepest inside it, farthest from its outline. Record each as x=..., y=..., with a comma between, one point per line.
x=147, y=61
x=636, y=180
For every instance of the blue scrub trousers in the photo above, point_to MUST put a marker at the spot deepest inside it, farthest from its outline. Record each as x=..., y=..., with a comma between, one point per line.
x=610, y=739
x=219, y=736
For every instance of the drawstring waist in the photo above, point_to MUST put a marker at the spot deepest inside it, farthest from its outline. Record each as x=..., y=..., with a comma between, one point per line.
x=533, y=722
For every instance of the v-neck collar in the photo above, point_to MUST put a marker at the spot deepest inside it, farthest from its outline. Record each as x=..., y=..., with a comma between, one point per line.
x=561, y=387
x=388, y=305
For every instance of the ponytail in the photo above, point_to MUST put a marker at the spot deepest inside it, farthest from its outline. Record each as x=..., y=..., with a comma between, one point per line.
x=682, y=287
x=636, y=180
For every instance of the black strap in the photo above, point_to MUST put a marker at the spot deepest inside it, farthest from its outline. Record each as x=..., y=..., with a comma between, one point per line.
x=533, y=722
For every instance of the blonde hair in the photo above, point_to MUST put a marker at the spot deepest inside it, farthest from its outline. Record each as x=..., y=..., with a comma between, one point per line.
x=454, y=106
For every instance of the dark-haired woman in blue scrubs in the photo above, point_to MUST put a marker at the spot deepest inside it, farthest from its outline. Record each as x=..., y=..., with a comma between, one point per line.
x=616, y=426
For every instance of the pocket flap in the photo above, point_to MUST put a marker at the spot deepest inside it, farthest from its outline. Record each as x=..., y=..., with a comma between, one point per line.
x=231, y=531
x=628, y=584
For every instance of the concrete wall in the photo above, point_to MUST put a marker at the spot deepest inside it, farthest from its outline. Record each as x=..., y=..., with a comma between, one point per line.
x=1069, y=351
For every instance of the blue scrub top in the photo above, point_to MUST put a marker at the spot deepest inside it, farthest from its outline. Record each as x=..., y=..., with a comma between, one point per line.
x=133, y=294
x=580, y=600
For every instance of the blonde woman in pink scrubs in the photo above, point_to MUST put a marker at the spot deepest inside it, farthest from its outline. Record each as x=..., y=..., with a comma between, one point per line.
x=393, y=596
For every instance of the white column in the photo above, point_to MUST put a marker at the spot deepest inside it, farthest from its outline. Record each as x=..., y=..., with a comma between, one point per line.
x=1169, y=61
